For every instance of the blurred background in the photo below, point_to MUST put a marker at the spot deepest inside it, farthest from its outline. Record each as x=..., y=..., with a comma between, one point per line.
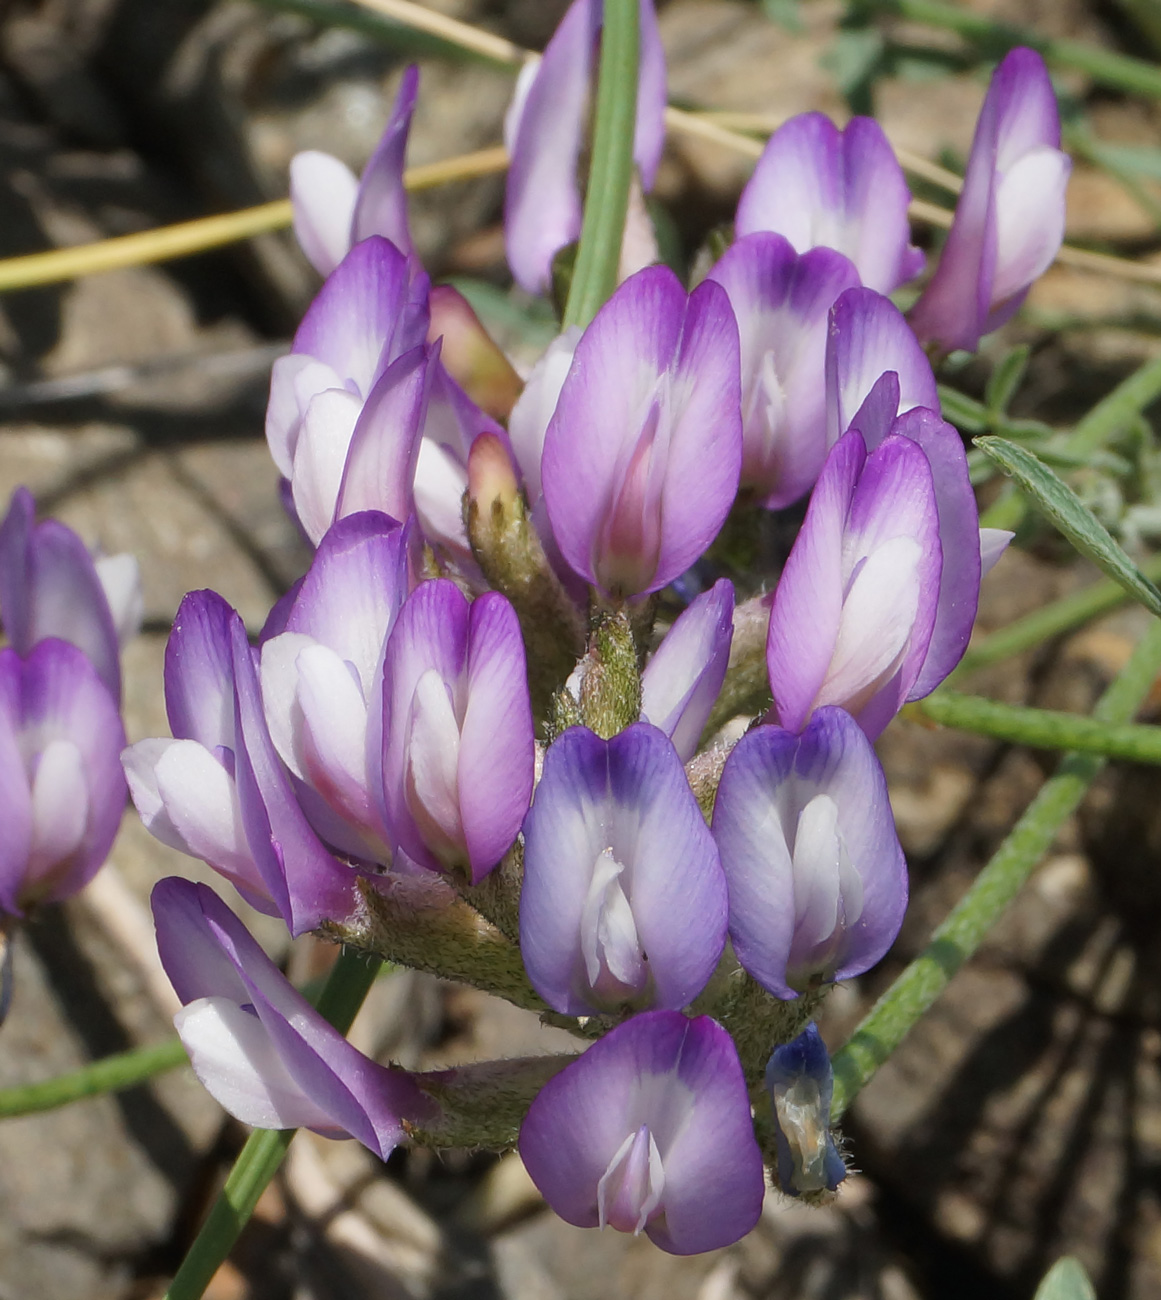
x=1021, y=1119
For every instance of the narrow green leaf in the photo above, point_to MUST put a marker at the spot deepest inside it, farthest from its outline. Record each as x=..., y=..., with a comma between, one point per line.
x=1072, y=517
x=611, y=171
x=786, y=13
x=1005, y=379
x=963, y=411
x=1066, y=1280
x=889, y=1021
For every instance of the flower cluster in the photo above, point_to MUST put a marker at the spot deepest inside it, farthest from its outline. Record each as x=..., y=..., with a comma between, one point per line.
x=470, y=738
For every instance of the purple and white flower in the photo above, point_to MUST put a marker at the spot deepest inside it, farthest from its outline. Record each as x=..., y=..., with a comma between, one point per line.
x=624, y=901
x=51, y=586
x=855, y=607
x=544, y=130
x=62, y=792
x=681, y=681
x=333, y=211
x=650, y=1131
x=781, y=300
x=322, y=680
x=642, y=455
x=218, y=790
x=257, y=1045
x=817, y=879
x=822, y=187
x=1009, y=221
x=458, y=751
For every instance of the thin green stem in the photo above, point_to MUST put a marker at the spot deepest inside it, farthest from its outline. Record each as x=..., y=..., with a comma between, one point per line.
x=891, y=1018
x=1106, y=67
x=113, y=1074
x=1052, y=620
x=1041, y=728
x=342, y=996
x=611, y=172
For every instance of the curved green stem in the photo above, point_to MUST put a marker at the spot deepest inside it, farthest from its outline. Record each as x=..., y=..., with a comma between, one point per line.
x=1041, y=728
x=611, y=171
x=113, y=1074
x=953, y=942
x=342, y=996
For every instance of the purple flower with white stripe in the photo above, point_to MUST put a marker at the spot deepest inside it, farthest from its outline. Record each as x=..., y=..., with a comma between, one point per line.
x=370, y=312
x=218, y=790
x=62, y=792
x=624, y=901
x=868, y=338
x=854, y=609
x=257, y=1045
x=1009, y=220
x=642, y=455
x=681, y=681
x=781, y=301
x=822, y=187
x=880, y=382
x=51, y=586
x=458, y=750
x=322, y=680
x=544, y=130
x=818, y=881
x=650, y=1131
x=333, y=211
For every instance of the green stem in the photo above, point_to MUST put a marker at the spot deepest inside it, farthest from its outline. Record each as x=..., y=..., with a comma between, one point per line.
x=1106, y=67
x=1041, y=728
x=1051, y=620
x=113, y=1074
x=891, y=1018
x=342, y=996
x=611, y=171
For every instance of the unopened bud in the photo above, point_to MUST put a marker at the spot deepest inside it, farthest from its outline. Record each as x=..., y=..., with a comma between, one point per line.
x=492, y=484
x=801, y=1084
x=470, y=354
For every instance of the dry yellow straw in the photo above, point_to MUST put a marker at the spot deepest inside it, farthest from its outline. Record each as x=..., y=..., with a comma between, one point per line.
x=721, y=128
x=210, y=232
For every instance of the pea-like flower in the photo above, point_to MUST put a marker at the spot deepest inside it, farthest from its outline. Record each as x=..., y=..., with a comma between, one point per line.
x=544, y=130
x=642, y=455
x=333, y=211
x=1009, y=220
x=218, y=790
x=50, y=585
x=681, y=681
x=650, y=1131
x=458, y=751
x=322, y=680
x=855, y=607
x=822, y=187
x=61, y=788
x=257, y=1045
x=781, y=300
x=817, y=879
x=624, y=901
